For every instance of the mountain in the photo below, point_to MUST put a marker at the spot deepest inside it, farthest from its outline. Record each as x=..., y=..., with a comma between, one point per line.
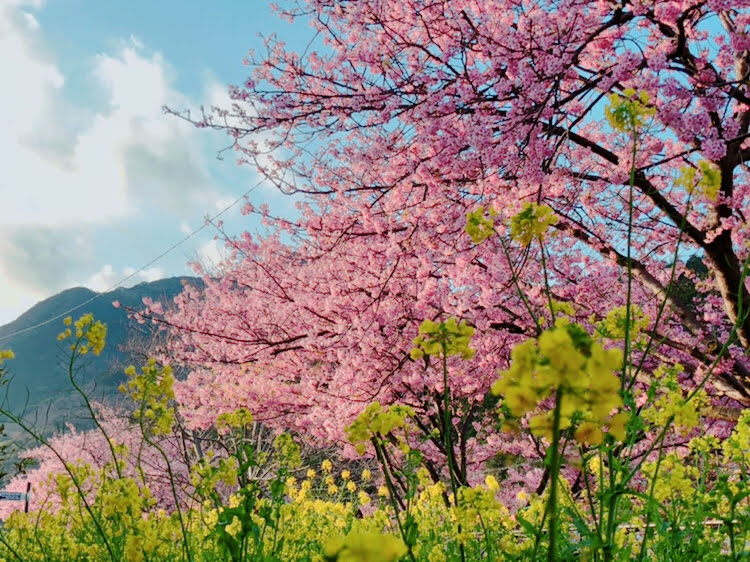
x=39, y=379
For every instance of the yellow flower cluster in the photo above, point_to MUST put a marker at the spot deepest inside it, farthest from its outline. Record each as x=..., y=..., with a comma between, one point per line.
x=235, y=527
x=561, y=307
x=737, y=447
x=709, y=182
x=152, y=391
x=675, y=479
x=564, y=361
x=628, y=112
x=480, y=227
x=451, y=337
x=532, y=222
x=90, y=335
x=206, y=477
x=671, y=404
x=123, y=497
x=287, y=451
x=613, y=325
x=377, y=422
x=478, y=505
x=368, y=546
x=6, y=354
x=239, y=419
x=123, y=507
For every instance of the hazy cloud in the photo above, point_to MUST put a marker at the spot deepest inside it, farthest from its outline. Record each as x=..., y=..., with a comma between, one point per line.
x=42, y=259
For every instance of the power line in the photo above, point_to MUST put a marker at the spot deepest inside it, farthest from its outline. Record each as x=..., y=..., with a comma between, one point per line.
x=170, y=249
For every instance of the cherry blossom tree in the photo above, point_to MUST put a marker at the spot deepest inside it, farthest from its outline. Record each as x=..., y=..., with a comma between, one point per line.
x=405, y=117
x=89, y=449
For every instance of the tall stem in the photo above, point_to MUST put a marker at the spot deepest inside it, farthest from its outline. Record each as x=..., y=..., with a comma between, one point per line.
x=547, y=289
x=448, y=425
x=71, y=377
x=447, y=438
x=629, y=257
x=521, y=294
x=554, y=471
x=379, y=451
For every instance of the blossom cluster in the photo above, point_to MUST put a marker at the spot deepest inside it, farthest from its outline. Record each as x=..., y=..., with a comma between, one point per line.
x=152, y=389
x=564, y=362
x=90, y=335
x=449, y=337
x=376, y=422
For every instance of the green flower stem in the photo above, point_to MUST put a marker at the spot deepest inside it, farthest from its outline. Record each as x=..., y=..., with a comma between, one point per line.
x=612, y=504
x=12, y=550
x=71, y=377
x=170, y=473
x=642, y=551
x=447, y=437
x=547, y=290
x=391, y=492
x=629, y=258
x=589, y=497
x=514, y=278
x=665, y=300
x=555, y=457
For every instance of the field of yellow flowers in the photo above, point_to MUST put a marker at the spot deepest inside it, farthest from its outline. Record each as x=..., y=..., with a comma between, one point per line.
x=145, y=497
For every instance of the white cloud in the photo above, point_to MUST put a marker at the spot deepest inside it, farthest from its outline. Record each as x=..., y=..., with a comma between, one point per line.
x=92, y=170
x=211, y=254
x=65, y=164
x=219, y=100
x=224, y=202
x=31, y=21
x=109, y=277
x=15, y=299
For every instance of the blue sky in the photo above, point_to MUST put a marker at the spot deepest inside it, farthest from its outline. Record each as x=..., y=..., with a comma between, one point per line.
x=95, y=180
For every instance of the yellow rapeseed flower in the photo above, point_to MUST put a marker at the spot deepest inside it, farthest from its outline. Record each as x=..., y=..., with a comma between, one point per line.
x=628, y=112
x=617, y=425
x=363, y=497
x=480, y=227
x=450, y=337
x=532, y=222
x=564, y=361
x=589, y=433
x=6, y=354
x=491, y=482
x=235, y=527
x=369, y=546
